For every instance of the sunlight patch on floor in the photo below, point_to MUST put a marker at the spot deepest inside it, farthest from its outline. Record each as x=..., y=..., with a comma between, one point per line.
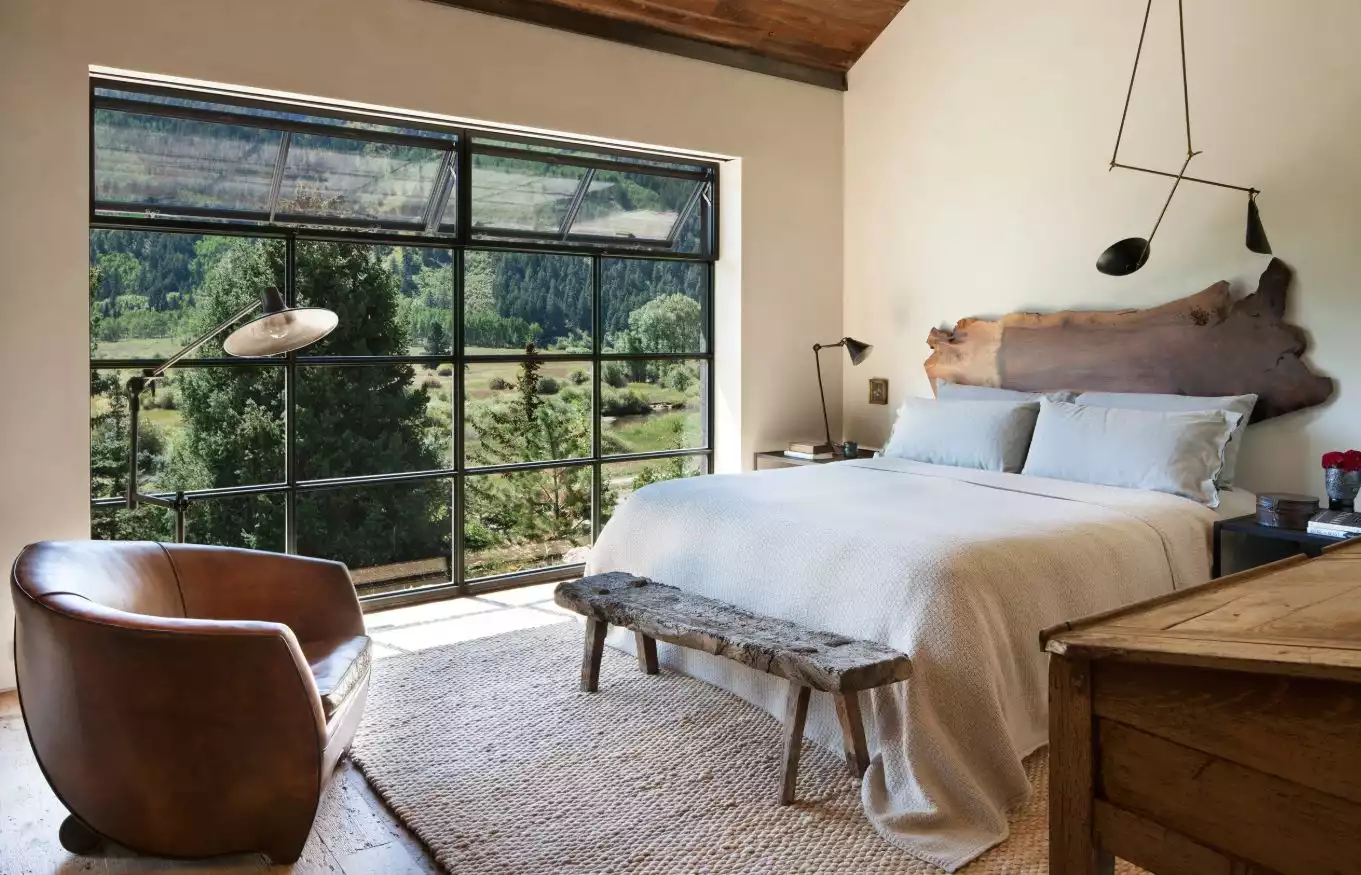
x=421, y=627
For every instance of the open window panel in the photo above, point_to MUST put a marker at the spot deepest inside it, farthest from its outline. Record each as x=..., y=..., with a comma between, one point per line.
x=575, y=196
x=169, y=156
x=191, y=156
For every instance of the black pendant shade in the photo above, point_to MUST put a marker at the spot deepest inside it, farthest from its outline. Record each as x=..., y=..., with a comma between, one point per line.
x=856, y=350
x=1124, y=257
x=1130, y=254
x=1256, y=237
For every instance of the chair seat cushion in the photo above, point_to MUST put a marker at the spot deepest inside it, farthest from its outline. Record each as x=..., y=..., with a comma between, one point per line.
x=338, y=665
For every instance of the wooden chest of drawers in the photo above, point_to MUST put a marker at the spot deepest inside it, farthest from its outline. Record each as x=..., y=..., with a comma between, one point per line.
x=1215, y=731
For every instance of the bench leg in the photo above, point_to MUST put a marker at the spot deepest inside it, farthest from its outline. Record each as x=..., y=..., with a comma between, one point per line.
x=795, y=713
x=647, y=652
x=591, y=654
x=852, y=733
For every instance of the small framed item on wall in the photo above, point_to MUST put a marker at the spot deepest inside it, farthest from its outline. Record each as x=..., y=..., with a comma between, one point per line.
x=878, y=390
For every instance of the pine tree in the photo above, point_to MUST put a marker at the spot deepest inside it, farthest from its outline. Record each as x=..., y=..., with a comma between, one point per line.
x=350, y=420
x=540, y=513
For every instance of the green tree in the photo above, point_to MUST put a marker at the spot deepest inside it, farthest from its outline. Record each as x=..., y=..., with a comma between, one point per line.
x=670, y=323
x=350, y=420
x=540, y=513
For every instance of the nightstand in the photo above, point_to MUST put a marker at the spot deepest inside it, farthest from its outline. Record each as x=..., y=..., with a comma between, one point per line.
x=777, y=459
x=1248, y=527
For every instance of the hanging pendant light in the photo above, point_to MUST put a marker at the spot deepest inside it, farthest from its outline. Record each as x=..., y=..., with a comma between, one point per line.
x=1128, y=255
x=1256, y=237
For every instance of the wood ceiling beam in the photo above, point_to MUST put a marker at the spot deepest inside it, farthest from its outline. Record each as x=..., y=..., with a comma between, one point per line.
x=646, y=36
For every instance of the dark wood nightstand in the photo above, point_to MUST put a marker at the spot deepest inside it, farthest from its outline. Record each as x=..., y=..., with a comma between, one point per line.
x=777, y=459
x=1309, y=545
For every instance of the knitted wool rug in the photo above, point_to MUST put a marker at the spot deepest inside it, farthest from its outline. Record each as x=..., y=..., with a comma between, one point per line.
x=488, y=752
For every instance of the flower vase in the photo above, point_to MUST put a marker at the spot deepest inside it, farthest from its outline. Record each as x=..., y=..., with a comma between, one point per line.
x=1342, y=487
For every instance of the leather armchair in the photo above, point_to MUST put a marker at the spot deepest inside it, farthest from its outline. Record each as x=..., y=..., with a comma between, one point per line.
x=187, y=701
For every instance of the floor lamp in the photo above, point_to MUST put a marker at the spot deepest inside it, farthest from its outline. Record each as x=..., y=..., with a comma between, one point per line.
x=277, y=330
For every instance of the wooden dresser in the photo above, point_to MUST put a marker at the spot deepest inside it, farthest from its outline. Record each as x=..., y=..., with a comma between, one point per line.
x=1215, y=731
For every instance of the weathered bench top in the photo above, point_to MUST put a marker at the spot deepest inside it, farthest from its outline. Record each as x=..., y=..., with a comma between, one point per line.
x=820, y=660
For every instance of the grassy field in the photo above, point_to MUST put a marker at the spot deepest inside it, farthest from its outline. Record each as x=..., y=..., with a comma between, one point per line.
x=675, y=428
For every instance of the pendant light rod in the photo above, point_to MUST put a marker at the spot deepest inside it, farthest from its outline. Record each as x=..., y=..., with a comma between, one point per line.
x=1185, y=89
x=1243, y=188
x=1143, y=31
x=1167, y=203
x=1186, y=107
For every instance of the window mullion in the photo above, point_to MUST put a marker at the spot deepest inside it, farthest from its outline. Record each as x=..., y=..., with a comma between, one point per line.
x=460, y=398
x=597, y=487
x=290, y=400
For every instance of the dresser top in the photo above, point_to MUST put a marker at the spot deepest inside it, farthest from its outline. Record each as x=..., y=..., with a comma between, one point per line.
x=1294, y=617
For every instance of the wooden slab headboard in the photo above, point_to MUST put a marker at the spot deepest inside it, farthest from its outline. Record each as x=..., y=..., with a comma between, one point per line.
x=1205, y=344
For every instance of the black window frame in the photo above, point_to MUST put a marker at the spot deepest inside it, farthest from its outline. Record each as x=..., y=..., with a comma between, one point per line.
x=463, y=237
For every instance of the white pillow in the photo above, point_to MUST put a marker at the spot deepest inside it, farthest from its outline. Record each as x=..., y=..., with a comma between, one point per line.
x=991, y=435
x=947, y=391
x=1240, y=404
x=1165, y=451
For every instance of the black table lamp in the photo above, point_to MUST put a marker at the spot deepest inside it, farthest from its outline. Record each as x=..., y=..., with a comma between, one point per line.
x=277, y=330
x=857, y=351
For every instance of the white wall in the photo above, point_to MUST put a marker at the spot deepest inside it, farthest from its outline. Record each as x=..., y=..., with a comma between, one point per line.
x=978, y=134
x=402, y=53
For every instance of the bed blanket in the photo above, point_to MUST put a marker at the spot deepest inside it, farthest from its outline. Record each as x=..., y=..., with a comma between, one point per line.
x=958, y=568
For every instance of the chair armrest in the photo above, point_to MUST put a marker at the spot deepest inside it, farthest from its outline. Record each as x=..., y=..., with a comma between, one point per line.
x=155, y=726
x=313, y=597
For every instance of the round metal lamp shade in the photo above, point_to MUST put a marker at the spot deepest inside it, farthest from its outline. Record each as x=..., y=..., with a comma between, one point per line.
x=1124, y=257
x=280, y=332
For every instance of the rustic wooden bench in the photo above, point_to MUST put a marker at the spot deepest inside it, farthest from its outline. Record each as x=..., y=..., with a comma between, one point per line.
x=808, y=659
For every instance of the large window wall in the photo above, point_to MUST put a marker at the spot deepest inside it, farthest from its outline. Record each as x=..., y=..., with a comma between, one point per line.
x=515, y=355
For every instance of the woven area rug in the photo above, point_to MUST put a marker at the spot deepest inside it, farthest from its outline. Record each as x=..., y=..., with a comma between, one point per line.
x=487, y=751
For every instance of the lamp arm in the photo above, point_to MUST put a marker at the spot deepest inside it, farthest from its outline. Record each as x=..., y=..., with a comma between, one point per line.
x=822, y=394
x=138, y=384
x=175, y=359
x=1167, y=203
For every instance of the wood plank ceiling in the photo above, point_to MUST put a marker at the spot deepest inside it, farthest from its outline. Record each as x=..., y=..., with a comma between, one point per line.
x=813, y=41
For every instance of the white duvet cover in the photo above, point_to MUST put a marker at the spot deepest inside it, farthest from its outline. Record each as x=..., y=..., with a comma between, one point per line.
x=958, y=568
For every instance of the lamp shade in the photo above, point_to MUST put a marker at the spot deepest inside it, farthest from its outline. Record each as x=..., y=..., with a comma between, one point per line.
x=1124, y=257
x=280, y=329
x=857, y=350
x=1256, y=237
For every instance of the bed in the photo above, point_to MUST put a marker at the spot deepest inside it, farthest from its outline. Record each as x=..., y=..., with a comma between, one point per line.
x=957, y=567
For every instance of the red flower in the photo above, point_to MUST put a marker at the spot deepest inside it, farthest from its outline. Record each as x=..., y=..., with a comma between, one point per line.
x=1333, y=459
x=1351, y=460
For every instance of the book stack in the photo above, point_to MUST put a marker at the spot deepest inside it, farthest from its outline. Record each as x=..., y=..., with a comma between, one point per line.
x=1335, y=524
x=809, y=450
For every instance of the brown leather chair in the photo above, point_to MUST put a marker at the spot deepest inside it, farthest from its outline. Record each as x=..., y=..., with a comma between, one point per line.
x=187, y=701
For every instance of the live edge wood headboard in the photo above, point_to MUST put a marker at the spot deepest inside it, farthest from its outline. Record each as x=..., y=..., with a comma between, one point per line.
x=1205, y=344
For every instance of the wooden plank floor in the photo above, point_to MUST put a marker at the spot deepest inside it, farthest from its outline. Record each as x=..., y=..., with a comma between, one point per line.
x=355, y=834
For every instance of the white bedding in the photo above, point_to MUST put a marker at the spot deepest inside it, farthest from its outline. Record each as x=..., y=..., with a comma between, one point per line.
x=958, y=568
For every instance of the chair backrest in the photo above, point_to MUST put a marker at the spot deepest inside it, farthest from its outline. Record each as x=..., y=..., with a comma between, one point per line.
x=133, y=576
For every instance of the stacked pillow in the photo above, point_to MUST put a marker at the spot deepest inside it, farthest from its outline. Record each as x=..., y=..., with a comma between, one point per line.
x=1181, y=444
x=990, y=435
